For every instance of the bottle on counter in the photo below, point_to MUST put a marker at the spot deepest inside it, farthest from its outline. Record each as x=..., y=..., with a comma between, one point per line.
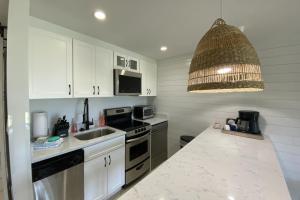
x=74, y=128
x=101, y=120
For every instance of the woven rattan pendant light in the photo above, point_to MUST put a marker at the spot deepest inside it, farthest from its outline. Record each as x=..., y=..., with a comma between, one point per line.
x=224, y=61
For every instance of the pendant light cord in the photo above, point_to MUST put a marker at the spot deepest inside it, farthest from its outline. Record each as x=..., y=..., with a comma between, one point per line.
x=221, y=8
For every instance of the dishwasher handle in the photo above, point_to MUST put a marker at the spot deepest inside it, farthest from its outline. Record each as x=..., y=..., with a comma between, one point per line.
x=48, y=167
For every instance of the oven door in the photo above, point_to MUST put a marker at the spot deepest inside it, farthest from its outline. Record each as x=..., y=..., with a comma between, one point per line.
x=137, y=150
x=127, y=83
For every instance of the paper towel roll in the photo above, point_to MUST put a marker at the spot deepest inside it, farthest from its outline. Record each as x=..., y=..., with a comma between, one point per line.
x=40, y=124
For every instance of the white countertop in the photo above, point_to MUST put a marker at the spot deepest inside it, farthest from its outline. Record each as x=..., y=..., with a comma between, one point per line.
x=70, y=144
x=216, y=166
x=155, y=120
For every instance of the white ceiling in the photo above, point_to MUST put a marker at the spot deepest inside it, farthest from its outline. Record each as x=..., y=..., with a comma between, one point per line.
x=3, y=11
x=145, y=25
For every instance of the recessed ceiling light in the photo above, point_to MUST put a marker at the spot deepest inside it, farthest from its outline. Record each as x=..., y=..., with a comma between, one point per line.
x=163, y=48
x=99, y=14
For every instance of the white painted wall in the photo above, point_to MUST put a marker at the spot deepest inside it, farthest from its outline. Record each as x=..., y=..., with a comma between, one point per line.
x=3, y=21
x=17, y=99
x=279, y=105
x=3, y=190
x=70, y=107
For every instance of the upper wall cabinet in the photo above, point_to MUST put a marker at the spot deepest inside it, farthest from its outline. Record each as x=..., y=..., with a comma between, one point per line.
x=50, y=65
x=149, y=78
x=62, y=67
x=104, y=72
x=84, y=58
x=129, y=63
x=93, y=70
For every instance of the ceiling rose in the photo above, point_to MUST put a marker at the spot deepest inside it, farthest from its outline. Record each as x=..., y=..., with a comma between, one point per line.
x=224, y=61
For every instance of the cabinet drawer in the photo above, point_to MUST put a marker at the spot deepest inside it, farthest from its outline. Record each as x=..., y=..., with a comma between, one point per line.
x=137, y=171
x=160, y=126
x=103, y=147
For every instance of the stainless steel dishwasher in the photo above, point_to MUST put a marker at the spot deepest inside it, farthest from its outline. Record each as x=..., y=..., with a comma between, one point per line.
x=159, y=144
x=60, y=177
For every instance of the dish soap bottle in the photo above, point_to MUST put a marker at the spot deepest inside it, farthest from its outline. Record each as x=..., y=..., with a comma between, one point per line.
x=74, y=127
x=101, y=120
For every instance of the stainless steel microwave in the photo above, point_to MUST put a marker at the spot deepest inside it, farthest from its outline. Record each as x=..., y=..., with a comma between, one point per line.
x=143, y=112
x=127, y=83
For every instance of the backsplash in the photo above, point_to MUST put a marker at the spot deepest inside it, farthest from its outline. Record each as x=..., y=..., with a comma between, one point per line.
x=71, y=107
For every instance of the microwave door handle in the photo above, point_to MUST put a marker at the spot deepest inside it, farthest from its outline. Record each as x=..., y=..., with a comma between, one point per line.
x=136, y=139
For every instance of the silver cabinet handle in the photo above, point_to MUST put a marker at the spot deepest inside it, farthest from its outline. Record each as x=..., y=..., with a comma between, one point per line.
x=150, y=91
x=104, y=161
x=69, y=89
x=98, y=90
x=94, y=90
x=109, y=160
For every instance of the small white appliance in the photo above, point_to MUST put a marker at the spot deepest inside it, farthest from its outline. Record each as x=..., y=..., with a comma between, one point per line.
x=40, y=124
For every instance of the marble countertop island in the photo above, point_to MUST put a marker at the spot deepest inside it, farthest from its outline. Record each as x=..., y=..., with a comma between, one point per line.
x=216, y=166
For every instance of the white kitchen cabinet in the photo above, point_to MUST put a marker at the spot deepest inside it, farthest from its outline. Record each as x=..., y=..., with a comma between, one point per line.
x=93, y=70
x=104, y=72
x=125, y=62
x=116, y=170
x=84, y=69
x=149, y=78
x=120, y=60
x=95, y=178
x=104, y=169
x=50, y=65
x=133, y=64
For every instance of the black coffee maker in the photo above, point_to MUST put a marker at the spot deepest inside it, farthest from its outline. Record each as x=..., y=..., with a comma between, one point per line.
x=248, y=121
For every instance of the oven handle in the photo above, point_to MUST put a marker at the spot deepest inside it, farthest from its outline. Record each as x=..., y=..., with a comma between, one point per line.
x=136, y=139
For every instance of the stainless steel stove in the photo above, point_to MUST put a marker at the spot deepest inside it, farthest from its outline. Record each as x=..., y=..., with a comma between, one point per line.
x=137, y=141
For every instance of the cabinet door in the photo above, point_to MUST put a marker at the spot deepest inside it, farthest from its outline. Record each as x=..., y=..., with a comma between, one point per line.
x=149, y=78
x=104, y=72
x=84, y=69
x=152, y=79
x=159, y=144
x=120, y=61
x=116, y=170
x=95, y=179
x=50, y=65
x=133, y=64
x=143, y=71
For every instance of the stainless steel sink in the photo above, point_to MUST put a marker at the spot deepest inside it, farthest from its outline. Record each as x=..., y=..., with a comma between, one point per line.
x=94, y=134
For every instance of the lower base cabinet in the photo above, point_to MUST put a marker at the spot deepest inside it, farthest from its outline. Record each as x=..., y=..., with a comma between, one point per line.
x=116, y=170
x=95, y=179
x=159, y=144
x=104, y=169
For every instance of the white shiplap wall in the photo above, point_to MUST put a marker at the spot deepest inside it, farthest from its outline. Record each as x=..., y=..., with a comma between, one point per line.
x=279, y=105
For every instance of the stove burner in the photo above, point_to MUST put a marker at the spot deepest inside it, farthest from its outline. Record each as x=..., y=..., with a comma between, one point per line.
x=129, y=125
